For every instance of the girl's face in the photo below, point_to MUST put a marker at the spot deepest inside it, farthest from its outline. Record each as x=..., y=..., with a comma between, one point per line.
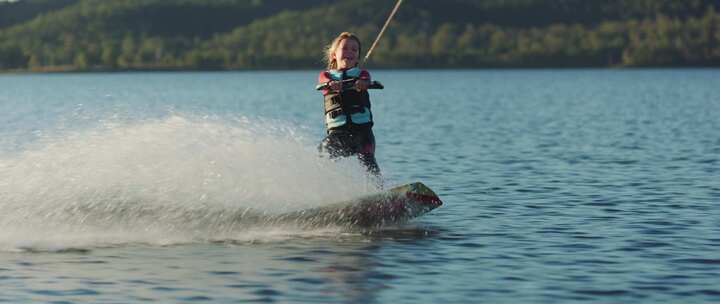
x=346, y=54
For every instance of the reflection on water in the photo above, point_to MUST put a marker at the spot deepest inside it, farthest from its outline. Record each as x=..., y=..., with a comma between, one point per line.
x=345, y=267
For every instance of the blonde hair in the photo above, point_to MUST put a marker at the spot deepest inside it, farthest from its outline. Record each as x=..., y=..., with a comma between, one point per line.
x=330, y=48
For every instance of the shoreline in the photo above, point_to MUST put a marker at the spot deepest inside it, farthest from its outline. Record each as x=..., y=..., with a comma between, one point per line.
x=184, y=70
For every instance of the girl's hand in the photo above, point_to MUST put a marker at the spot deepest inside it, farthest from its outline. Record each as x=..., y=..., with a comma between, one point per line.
x=361, y=85
x=335, y=86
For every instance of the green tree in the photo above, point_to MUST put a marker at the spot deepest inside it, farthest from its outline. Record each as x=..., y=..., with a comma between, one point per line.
x=12, y=57
x=444, y=40
x=80, y=61
x=126, y=57
x=109, y=55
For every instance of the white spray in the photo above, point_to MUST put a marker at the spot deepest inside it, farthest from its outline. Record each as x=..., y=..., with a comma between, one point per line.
x=175, y=180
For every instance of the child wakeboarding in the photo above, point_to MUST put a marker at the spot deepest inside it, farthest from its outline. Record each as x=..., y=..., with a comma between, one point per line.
x=348, y=119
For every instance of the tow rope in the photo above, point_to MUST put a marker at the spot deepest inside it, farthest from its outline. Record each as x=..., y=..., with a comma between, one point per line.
x=397, y=5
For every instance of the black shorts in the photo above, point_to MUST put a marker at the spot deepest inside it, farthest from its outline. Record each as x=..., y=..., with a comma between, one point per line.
x=346, y=142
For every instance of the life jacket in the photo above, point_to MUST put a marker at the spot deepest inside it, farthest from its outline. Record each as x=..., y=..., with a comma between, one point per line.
x=348, y=107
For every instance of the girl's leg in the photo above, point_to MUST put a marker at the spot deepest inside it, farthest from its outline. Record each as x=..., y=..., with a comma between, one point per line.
x=367, y=157
x=337, y=144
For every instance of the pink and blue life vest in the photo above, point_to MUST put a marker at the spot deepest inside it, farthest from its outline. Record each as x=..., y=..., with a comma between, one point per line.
x=348, y=107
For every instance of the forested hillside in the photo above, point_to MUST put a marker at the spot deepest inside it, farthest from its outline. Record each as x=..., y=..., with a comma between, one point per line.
x=14, y=12
x=61, y=35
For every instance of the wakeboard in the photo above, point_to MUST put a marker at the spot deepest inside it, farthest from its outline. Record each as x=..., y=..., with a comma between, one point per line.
x=389, y=207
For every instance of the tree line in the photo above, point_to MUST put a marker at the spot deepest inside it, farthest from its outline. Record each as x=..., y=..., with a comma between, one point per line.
x=187, y=34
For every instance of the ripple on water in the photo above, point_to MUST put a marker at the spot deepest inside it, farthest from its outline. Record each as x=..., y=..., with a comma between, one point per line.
x=605, y=292
x=223, y=273
x=309, y=280
x=267, y=292
x=247, y=285
x=300, y=259
x=195, y=299
x=63, y=293
x=168, y=289
x=699, y=261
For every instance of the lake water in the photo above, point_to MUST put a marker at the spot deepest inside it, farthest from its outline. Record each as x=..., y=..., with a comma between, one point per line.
x=559, y=186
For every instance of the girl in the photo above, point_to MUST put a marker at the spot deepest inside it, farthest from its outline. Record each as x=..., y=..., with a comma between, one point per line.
x=348, y=120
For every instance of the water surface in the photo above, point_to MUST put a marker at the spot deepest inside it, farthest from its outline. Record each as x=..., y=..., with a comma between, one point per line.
x=559, y=186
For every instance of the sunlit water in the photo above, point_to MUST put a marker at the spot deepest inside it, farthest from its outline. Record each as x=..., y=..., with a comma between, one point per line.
x=559, y=186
